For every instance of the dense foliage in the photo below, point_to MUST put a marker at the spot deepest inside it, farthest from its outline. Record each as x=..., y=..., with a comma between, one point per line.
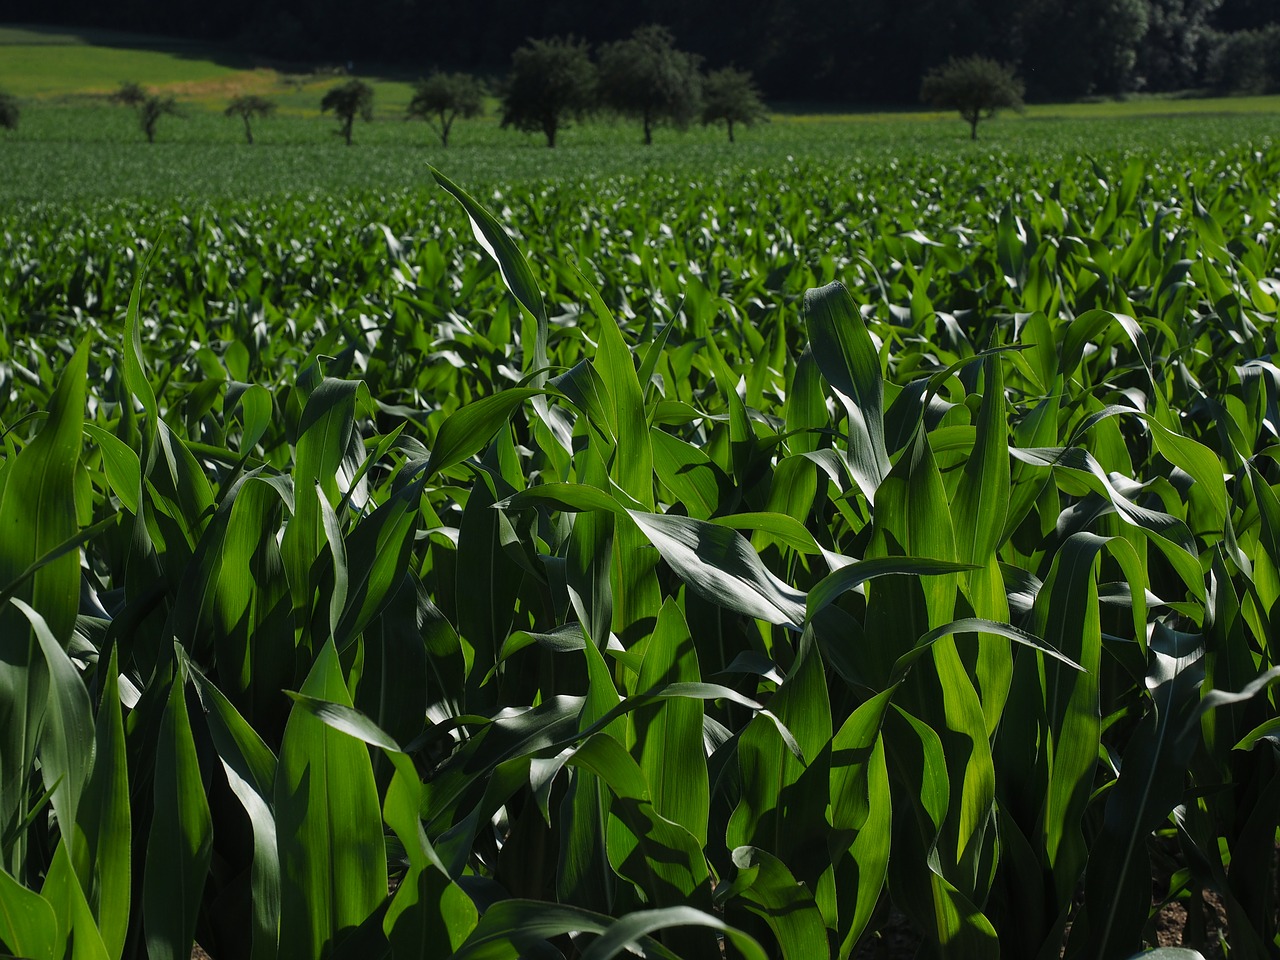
x=761, y=553
x=872, y=52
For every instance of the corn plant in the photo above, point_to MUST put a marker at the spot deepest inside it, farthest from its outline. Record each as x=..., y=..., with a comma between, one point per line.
x=709, y=610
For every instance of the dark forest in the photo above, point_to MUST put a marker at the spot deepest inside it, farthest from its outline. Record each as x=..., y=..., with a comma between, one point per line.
x=838, y=51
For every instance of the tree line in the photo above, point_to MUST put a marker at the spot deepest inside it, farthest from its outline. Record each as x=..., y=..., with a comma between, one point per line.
x=551, y=84
x=870, y=51
x=555, y=82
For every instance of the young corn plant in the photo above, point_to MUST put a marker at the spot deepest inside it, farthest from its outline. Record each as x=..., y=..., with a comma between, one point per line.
x=676, y=621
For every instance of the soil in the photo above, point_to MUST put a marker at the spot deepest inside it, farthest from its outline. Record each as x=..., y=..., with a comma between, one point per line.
x=896, y=940
x=1174, y=929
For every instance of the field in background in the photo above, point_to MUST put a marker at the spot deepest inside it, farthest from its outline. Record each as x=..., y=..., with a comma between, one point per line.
x=72, y=145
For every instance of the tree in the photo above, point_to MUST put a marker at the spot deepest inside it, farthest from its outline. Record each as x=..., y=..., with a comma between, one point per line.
x=150, y=106
x=247, y=106
x=731, y=96
x=443, y=97
x=130, y=94
x=153, y=108
x=9, y=111
x=647, y=78
x=1081, y=47
x=1176, y=43
x=975, y=86
x=1245, y=61
x=348, y=101
x=551, y=82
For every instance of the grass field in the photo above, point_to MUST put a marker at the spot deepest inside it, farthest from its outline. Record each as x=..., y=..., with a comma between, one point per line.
x=72, y=145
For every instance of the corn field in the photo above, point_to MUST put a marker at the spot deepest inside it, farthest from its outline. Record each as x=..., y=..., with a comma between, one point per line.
x=659, y=588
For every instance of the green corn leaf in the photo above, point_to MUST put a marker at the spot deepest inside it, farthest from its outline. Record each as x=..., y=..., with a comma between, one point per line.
x=668, y=735
x=1268, y=730
x=979, y=625
x=573, y=497
x=429, y=913
x=776, y=527
x=587, y=574
x=921, y=790
x=488, y=579
x=784, y=797
x=848, y=360
x=399, y=684
x=75, y=920
x=515, y=268
x=332, y=865
x=469, y=429
x=1117, y=885
x=981, y=503
x=65, y=745
x=325, y=435
x=626, y=930
x=28, y=924
x=661, y=856
x=66, y=739
x=589, y=564
x=1067, y=612
x=135, y=372
x=250, y=769
x=827, y=590
x=519, y=279
x=632, y=463
x=772, y=893
x=586, y=389
x=37, y=515
x=403, y=807
x=180, y=844
x=871, y=848
x=1091, y=323
x=690, y=474
x=123, y=468
x=254, y=403
x=70, y=545
x=249, y=609
x=106, y=817
x=514, y=929
x=338, y=553
x=345, y=719
x=720, y=566
x=806, y=410
x=1170, y=534
x=583, y=873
